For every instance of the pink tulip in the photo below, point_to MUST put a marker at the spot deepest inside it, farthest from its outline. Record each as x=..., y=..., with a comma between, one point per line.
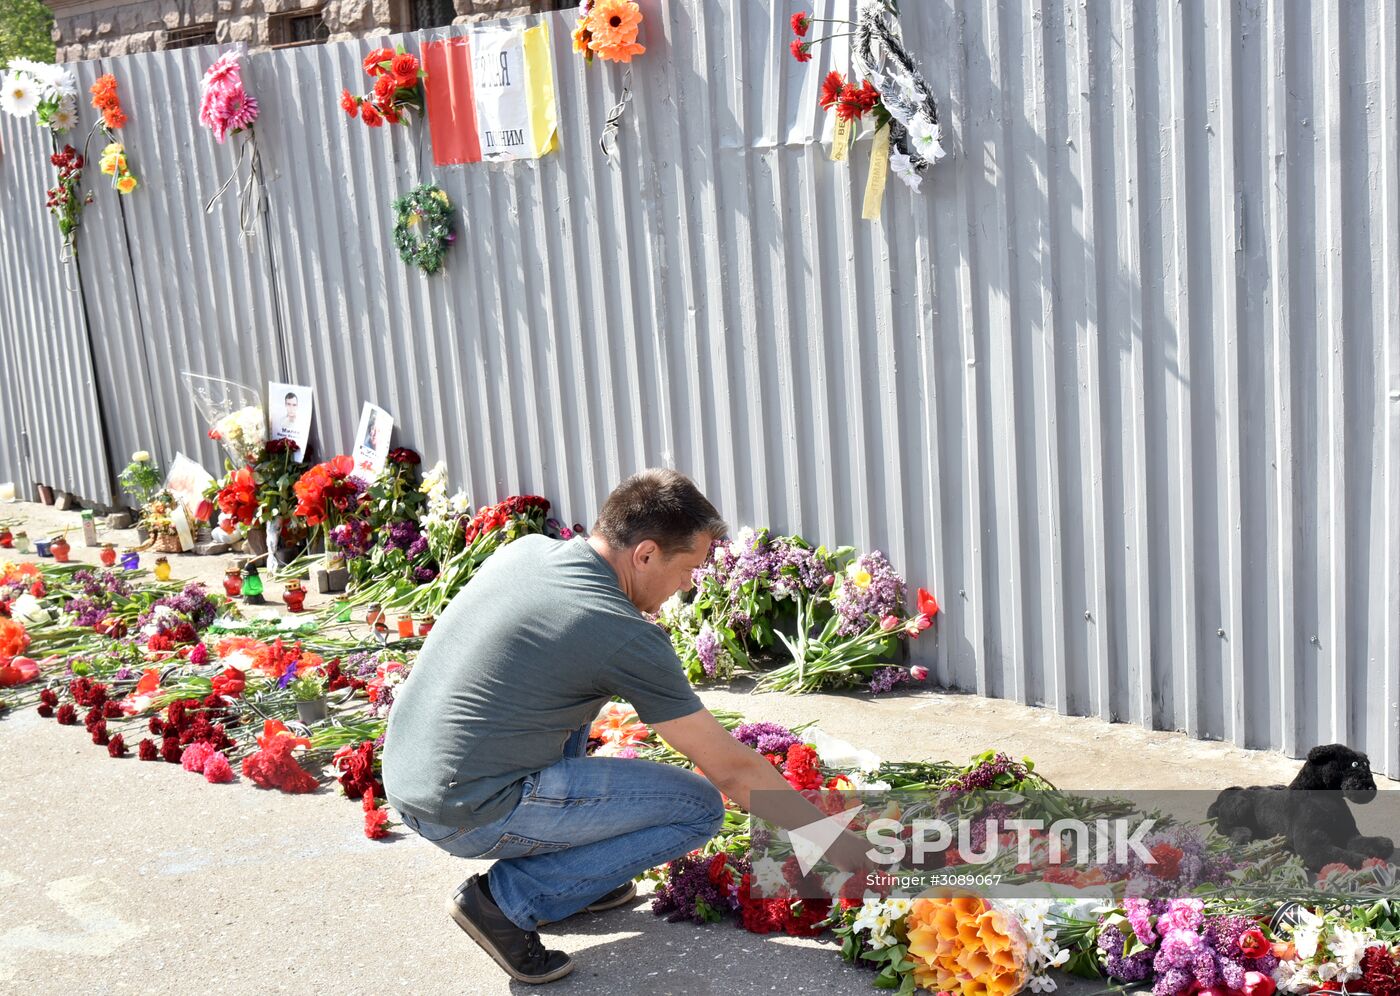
x=918, y=672
x=923, y=622
x=888, y=623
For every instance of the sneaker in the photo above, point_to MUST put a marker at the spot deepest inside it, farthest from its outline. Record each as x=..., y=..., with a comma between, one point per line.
x=620, y=896
x=517, y=951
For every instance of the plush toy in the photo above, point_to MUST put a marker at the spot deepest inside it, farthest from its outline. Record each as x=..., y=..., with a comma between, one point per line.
x=1310, y=812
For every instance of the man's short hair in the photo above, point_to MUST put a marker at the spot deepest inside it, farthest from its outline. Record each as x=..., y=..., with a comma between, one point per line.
x=660, y=505
x=291, y=396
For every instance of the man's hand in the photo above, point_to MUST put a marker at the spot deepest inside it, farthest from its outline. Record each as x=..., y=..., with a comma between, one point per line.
x=750, y=780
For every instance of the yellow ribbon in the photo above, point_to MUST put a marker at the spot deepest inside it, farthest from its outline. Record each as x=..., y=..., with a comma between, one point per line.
x=879, y=175
x=840, y=140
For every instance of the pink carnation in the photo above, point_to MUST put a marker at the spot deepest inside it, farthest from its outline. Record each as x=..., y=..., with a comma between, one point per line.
x=196, y=755
x=217, y=769
x=1183, y=914
x=199, y=655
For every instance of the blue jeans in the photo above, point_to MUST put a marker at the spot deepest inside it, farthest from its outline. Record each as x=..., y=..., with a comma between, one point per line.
x=584, y=826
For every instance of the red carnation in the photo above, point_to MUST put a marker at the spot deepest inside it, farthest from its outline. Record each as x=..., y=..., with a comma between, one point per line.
x=49, y=697
x=274, y=767
x=99, y=733
x=800, y=50
x=146, y=749
x=831, y=90
x=230, y=682
x=356, y=767
x=800, y=23
x=374, y=824
x=116, y=747
x=67, y=715
x=111, y=710
x=170, y=750
x=217, y=770
x=156, y=726
x=45, y=710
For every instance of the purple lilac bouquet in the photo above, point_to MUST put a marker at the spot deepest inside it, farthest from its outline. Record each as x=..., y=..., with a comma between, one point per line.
x=870, y=590
x=700, y=889
x=1184, y=948
x=766, y=738
x=100, y=590
x=193, y=605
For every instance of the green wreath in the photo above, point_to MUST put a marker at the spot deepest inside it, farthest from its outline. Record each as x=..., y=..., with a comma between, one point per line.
x=425, y=209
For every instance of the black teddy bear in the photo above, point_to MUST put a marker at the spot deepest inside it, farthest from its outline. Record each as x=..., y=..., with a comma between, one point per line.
x=1311, y=811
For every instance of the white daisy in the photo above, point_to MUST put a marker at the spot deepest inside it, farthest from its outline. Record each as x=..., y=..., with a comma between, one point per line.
x=27, y=66
x=19, y=96
x=903, y=167
x=65, y=116
x=56, y=81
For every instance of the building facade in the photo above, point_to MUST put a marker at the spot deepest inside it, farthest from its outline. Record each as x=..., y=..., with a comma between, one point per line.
x=92, y=29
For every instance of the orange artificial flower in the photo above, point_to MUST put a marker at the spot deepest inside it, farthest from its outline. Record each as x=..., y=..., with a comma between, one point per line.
x=14, y=638
x=583, y=39
x=963, y=943
x=17, y=571
x=373, y=60
x=613, y=25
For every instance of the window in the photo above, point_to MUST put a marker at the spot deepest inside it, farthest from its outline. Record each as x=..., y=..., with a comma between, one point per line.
x=297, y=27
x=432, y=13
x=190, y=36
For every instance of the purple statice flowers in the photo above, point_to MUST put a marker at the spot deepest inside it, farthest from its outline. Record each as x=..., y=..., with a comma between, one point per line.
x=766, y=738
x=869, y=591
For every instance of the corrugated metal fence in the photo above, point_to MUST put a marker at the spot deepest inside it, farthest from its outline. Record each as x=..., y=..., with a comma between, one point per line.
x=1122, y=385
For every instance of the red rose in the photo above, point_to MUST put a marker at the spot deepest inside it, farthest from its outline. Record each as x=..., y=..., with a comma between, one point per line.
x=405, y=67
x=349, y=103
x=372, y=63
x=385, y=86
x=391, y=116
x=370, y=116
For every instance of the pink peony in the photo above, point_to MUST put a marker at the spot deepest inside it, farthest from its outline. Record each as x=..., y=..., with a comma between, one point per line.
x=217, y=769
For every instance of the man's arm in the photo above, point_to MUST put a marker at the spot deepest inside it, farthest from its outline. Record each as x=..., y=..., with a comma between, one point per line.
x=748, y=778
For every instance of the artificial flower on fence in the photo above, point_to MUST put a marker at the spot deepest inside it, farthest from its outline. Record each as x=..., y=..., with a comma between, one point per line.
x=397, y=91
x=608, y=29
x=114, y=161
x=225, y=105
x=65, y=198
x=48, y=92
x=887, y=84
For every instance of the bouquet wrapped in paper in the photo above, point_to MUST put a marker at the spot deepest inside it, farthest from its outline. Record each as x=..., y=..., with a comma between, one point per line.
x=233, y=413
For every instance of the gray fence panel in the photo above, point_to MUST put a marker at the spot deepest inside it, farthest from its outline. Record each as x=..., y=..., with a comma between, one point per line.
x=1122, y=385
x=53, y=421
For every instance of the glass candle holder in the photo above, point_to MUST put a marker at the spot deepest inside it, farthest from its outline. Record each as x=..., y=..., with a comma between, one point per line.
x=294, y=596
x=162, y=569
x=108, y=556
x=22, y=541
x=425, y=625
x=374, y=614
x=59, y=548
x=131, y=561
x=7, y=538
x=405, y=627
x=233, y=582
x=252, y=587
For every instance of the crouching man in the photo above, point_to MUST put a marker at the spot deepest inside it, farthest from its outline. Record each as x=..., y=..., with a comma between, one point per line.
x=485, y=751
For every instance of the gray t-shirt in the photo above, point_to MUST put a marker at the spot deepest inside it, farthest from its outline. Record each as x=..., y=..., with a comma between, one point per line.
x=524, y=655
